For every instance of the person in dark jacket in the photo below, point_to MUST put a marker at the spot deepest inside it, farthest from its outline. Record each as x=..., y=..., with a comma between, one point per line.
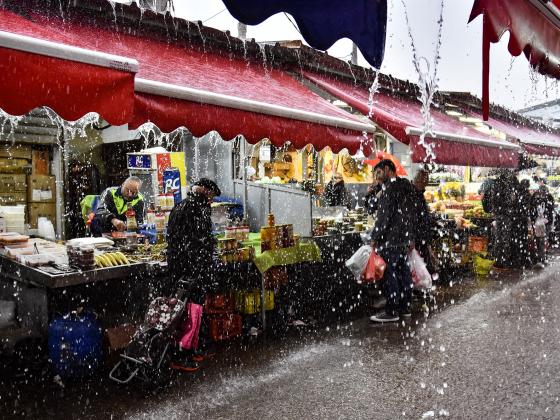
x=335, y=192
x=503, y=199
x=520, y=222
x=542, y=205
x=190, y=243
x=190, y=249
x=392, y=237
x=111, y=212
x=423, y=233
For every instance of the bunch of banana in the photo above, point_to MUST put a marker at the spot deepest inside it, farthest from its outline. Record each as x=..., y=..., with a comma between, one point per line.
x=111, y=259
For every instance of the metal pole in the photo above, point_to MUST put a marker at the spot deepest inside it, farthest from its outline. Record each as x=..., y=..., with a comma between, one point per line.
x=241, y=30
x=263, y=303
x=60, y=170
x=244, y=164
x=354, y=54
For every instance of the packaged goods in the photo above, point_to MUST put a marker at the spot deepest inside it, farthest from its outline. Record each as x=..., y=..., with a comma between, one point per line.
x=225, y=326
x=41, y=188
x=248, y=302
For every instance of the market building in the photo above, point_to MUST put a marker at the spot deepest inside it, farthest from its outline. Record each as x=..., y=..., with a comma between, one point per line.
x=271, y=124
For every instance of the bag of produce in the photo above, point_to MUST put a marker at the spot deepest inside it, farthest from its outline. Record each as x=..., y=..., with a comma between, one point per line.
x=481, y=265
x=357, y=262
x=421, y=277
x=375, y=268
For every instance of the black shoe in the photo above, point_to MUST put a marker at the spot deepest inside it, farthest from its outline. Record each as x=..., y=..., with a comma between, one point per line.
x=383, y=317
x=201, y=355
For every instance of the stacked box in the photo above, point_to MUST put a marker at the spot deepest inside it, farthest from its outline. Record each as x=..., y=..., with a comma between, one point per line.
x=41, y=199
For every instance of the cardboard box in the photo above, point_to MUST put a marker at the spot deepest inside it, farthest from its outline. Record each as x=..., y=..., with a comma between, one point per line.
x=36, y=210
x=13, y=198
x=13, y=165
x=15, y=151
x=40, y=160
x=13, y=183
x=118, y=337
x=41, y=189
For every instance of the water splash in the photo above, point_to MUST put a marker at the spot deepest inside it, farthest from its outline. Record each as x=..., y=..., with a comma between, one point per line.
x=352, y=72
x=114, y=7
x=151, y=135
x=262, y=48
x=373, y=89
x=9, y=120
x=230, y=50
x=199, y=27
x=427, y=82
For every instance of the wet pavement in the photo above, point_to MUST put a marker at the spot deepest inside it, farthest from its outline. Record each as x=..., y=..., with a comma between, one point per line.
x=489, y=351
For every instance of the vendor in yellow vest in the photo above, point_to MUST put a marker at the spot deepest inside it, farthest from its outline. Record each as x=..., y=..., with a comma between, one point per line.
x=111, y=212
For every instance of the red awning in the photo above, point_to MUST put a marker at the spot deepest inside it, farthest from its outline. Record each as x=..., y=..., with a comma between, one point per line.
x=533, y=141
x=177, y=85
x=454, y=143
x=534, y=29
x=36, y=70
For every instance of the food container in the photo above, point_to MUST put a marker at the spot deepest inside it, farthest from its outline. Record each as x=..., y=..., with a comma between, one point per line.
x=230, y=232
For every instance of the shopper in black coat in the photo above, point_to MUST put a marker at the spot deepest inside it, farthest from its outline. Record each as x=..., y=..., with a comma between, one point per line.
x=190, y=243
x=392, y=236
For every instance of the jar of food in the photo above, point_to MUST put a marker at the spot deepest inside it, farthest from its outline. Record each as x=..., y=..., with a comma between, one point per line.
x=230, y=232
x=270, y=219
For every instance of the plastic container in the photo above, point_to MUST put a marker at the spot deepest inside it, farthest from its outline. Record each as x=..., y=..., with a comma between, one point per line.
x=14, y=217
x=75, y=345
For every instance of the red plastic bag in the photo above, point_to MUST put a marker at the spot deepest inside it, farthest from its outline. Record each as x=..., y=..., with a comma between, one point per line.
x=375, y=268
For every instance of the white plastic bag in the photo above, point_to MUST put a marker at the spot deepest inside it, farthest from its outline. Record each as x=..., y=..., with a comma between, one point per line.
x=357, y=262
x=421, y=277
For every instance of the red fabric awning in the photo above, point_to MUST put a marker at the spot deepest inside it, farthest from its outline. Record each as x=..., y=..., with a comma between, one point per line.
x=38, y=71
x=454, y=143
x=534, y=29
x=533, y=141
x=177, y=85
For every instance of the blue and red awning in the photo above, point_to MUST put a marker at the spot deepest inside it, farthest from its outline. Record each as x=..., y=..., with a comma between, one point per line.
x=323, y=22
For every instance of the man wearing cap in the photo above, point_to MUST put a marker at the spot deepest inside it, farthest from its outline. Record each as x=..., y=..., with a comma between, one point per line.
x=190, y=246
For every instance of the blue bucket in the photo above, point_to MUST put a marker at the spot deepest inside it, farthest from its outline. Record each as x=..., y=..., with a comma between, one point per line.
x=75, y=345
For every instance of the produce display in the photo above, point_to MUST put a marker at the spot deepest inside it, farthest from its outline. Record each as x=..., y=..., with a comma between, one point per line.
x=477, y=212
x=111, y=259
x=353, y=221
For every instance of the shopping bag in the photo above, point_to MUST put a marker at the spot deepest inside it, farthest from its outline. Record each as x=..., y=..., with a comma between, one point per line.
x=357, y=262
x=421, y=278
x=191, y=327
x=375, y=268
x=481, y=265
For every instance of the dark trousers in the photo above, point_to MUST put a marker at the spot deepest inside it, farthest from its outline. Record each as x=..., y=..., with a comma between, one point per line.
x=397, y=281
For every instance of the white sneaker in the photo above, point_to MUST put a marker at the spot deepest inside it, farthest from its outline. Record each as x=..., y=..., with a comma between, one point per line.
x=383, y=317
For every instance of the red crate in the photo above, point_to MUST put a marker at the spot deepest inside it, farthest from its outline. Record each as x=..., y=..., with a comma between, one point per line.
x=219, y=303
x=225, y=326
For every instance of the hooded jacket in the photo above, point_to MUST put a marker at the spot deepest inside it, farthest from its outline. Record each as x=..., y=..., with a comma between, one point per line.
x=190, y=243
